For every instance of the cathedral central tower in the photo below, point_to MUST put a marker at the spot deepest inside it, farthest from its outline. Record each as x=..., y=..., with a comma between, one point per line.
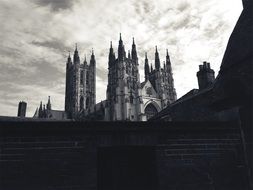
x=124, y=101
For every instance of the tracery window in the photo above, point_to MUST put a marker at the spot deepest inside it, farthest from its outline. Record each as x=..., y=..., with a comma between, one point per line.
x=150, y=111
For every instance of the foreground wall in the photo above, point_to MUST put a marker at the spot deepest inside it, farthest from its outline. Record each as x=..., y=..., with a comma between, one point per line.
x=45, y=156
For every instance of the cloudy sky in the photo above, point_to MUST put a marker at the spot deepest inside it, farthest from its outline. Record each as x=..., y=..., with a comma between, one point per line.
x=36, y=36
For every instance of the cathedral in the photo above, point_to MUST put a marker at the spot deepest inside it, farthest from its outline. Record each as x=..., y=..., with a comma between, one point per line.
x=127, y=99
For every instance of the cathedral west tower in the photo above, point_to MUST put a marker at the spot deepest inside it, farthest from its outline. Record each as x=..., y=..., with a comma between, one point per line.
x=80, y=92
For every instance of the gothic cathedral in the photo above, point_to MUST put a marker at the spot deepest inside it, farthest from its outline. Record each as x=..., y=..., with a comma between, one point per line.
x=127, y=99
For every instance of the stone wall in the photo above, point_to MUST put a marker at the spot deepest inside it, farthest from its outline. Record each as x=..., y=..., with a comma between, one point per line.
x=45, y=156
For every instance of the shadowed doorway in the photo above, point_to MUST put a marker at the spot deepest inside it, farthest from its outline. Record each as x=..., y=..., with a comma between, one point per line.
x=127, y=168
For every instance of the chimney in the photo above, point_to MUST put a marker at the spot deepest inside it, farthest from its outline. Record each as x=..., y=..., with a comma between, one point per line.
x=22, y=109
x=205, y=75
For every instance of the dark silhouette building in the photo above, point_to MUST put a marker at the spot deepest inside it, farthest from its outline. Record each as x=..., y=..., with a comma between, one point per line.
x=47, y=113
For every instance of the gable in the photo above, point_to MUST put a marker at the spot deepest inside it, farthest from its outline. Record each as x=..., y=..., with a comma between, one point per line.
x=148, y=89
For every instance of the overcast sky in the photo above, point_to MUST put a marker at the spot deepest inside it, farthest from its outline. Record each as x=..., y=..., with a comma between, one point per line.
x=36, y=36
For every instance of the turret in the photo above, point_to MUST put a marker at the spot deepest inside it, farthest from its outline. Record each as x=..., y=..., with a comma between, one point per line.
x=168, y=63
x=49, y=104
x=111, y=56
x=151, y=68
x=134, y=52
x=121, y=49
x=40, y=110
x=167, y=58
x=157, y=60
x=85, y=61
x=92, y=76
x=69, y=62
x=205, y=75
x=146, y=67
x=92, y=59
x=76, y=56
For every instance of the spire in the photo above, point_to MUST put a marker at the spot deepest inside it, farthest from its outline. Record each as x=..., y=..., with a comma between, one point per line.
x=121, y=49
x=146, y=67
x=129, y=55
x=40, y=110
x=85, y=60
x=69, y=58
x=167, y=58
x=151, y=68
x=134, y=52
x=111, y=48
x=76, y=56
x=49, y=104
x=69, y=61
x=120, y=39
x=111, y=56
x=157, y=59
x=164, y=65
x=92, y=58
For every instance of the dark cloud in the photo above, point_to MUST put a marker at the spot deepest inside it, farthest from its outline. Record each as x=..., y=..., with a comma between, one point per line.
x=56, y=5
x=38, y=72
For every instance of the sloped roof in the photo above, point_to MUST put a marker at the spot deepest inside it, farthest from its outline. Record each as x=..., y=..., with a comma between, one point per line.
x=58, y=114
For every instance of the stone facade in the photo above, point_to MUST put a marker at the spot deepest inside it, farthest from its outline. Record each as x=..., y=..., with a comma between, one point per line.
x=124, y=101
x=127, y=98
x=80, y=93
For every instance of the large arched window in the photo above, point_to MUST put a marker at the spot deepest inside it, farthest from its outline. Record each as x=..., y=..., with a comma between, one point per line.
x=150, y=111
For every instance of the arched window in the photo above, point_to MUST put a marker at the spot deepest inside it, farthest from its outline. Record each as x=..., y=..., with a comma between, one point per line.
x=150, y=111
